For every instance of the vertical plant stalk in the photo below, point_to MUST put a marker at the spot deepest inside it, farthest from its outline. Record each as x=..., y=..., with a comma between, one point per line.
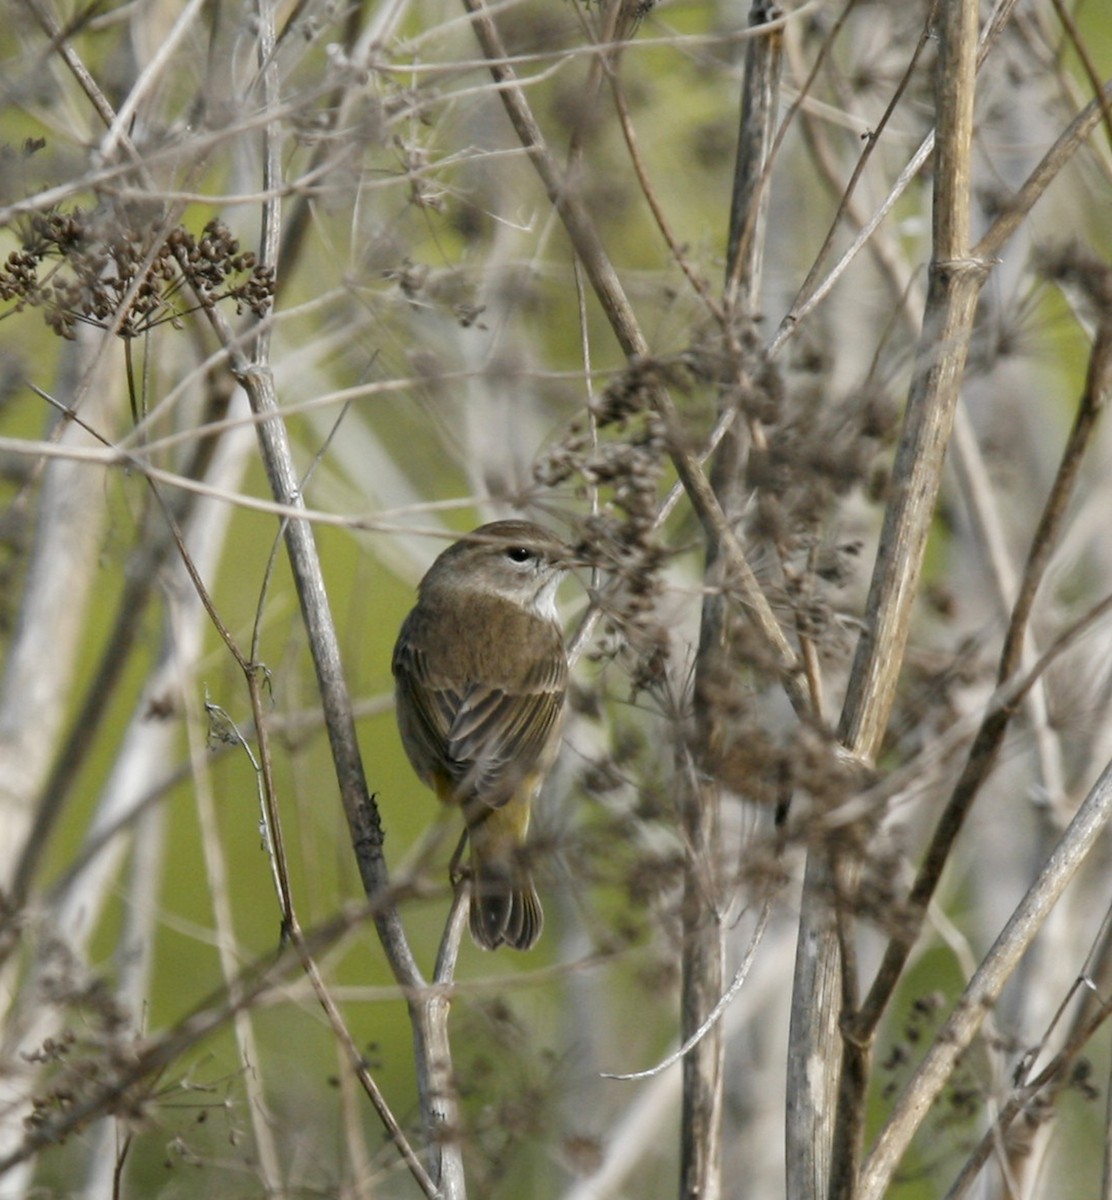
x=703, y=934
x=257, y=379
x=954, y=285
x=986, y=744
x=703, y=968
x=254, y=374
x=703, y=949
x=811, y=1088
x=749, y=202
x=428, y=1012
x=955, y=281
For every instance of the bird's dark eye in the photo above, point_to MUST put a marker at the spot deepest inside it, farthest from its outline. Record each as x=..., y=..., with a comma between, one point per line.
x=519, y=554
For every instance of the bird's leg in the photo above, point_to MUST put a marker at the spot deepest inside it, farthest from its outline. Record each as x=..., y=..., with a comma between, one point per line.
x=457, y=873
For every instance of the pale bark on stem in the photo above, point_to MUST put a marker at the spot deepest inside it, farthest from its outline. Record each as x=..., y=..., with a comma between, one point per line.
x=364, y=822
x=809, y=297
x=749, y=204
x=956, y=278
x=703, y=933
x=702, y=977
x=428, y=1010
x=955, y=281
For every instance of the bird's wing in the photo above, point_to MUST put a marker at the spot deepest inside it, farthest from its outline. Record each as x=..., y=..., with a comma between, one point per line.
x=485, y=738
x=499, y=735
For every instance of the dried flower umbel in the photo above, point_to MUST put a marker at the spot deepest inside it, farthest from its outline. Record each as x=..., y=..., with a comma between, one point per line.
x=99, y=268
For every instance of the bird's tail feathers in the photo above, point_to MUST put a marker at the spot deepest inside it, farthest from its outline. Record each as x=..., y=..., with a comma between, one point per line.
x=505, y=907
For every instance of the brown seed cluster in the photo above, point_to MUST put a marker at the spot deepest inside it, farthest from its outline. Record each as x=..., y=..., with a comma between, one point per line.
x=103, y=269
x=621, y=461
x=88, y=1064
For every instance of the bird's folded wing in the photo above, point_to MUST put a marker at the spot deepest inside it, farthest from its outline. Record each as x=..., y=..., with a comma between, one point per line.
x=485, y=738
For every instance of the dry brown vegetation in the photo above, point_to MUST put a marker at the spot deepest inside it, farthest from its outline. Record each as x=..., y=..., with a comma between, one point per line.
x=797, y=323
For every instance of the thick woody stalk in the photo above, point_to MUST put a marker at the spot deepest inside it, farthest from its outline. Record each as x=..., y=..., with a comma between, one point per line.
x=955, y=282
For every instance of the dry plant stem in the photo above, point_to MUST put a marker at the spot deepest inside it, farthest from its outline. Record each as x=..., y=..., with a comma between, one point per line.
x=872, y=803
x=143, y=748
x=980, y=497
x=53, y=799
x=576, y=219
x=702, y=951
x=749, y=200
x=428, y=1012
x=298, y=220
x=1043, y=175
x=963, y=445
x=861, y=724
x=702, y=967
x=608, y=290
x=703, y=945
x=702, y=971
x=678, y=253
x=619, y=20
x=364, y=822
x=152, y=1056
x=584, y=631
x=1098, y=388
x=983, y=990
x=276, y=847
x=797, y=106
x=216, y=872
x=861, y=1027
x=955, y=281
x=359, y=1066
x=966, y=455
x=986, y=744
x=1077, y=42
x=814, y=1043
x=994, y=26
x=818, y=989
x=290, y=924
x=720, y=1007
x=809, y=287
x=268, y=251
x=803, y=308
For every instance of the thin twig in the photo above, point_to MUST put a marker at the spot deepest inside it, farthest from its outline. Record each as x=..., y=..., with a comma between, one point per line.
x=611, y=295
x=1048, y=169
x=983, y=989
x=715, y=1014
x=809, y=292
x=994, y=27
x=986, y=745
x=1077, y=42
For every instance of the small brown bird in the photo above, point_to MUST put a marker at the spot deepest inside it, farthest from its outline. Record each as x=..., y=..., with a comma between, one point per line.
x=480, y=676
